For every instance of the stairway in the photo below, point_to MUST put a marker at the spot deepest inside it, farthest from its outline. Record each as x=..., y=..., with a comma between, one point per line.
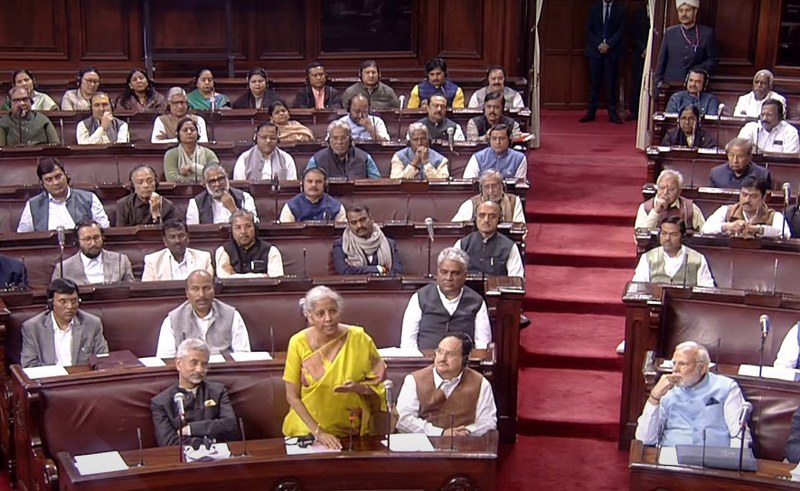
x=586, y=182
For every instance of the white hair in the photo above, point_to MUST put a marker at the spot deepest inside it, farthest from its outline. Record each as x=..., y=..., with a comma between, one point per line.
x=192, y=344
x=453, y=254
x=700, y=351
x=318, y=293
x=671, y=173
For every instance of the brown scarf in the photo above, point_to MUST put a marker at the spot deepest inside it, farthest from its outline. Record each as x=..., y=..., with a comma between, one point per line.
x=357, y=249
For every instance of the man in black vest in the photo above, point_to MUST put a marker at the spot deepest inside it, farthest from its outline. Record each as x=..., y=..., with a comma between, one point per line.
x=446, y=306
x=219, y=200
x=341, y=159
x=437, y=121
x=244, y=255
x=491, y=253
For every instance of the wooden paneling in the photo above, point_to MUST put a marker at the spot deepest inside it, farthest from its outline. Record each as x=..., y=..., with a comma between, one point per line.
x=280, y=30
x=109, y=38
x=188, y=26
x=461, y=29
x=33, y=30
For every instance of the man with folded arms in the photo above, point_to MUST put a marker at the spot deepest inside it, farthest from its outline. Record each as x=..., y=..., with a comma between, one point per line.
x=144, y=206
x=177, y=259
x=447, y=397
x=62, y=334
x=692, y=406
x=208, y=408
x=244, y=255
x=216, y=203
x=363, y=249
x=668, y=202
x=203, y=317
x=445, y=307
x=750, y=217
x=491, y=253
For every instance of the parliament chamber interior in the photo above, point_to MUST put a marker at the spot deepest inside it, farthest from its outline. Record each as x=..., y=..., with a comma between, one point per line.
x=196, y=116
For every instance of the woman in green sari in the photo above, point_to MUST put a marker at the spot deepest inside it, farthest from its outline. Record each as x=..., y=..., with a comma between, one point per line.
x=204, y=97
x=333, y=372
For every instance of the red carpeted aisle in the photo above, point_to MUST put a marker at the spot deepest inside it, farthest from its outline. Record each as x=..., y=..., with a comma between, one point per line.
x=586, y=184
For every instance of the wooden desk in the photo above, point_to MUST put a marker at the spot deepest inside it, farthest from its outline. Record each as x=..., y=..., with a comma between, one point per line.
x=470, y=466
x=647, y=475
x=695, y=165
x=710, y=199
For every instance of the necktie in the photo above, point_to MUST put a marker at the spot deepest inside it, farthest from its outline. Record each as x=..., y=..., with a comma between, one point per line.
x=606, y=11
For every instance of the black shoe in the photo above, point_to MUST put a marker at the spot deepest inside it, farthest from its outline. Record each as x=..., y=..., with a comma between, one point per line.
x=614, y=119
x=586, y=118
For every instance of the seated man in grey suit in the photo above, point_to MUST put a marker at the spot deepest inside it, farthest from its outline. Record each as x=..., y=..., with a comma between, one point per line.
x=62, y=334
x=207, y=408
x=177, y=259
x=204, y=317
x=93, y=264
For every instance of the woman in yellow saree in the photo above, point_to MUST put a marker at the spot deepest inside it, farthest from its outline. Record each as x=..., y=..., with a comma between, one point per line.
x=333, y=373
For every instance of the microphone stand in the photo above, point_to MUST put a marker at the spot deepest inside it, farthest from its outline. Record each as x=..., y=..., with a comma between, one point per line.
x=182, y=457
x=761, y=356
x=211, y=138
x=741, y=443
x=245, y=453
x=430, y=244
x=141, y=452
x=785, y=208
x=350, y=419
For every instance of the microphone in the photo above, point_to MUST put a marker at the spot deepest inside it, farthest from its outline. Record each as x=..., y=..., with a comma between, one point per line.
x=763, y=321
x=402, y=101
x=747, y=408
x=141, y=452
x=429, y=225
x=721, y=109
x=388, y=385
x=244, y=440
x=180, y=401
x=61, y=241
x=400, y=119
x=787, y=193
x=305, y=274
x=450, y=132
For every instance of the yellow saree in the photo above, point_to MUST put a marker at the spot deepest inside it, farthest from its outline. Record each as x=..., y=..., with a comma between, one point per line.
x=351, y=356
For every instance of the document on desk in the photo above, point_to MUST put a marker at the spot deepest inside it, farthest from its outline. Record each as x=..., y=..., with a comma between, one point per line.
x=400, y=353
x=152, y=361
x=97, y=463
x=218, y=358
x=45, y=371
x=409, y=442
x=668, y=456
x=251, y=355
x=315, y=448
x=777, y=373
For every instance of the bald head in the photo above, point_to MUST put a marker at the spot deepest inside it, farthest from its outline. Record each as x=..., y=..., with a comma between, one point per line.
x=200, y=291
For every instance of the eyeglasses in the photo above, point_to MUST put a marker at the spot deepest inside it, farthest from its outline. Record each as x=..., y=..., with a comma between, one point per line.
x=446, y=354
x=72, y=302
x=93, y=238
x=217, y=180
x=92, y=81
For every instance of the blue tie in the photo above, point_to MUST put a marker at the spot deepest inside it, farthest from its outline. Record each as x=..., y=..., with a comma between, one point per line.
x=606, y=12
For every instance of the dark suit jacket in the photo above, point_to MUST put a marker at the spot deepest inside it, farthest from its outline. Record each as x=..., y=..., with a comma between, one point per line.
x=676, y=138
x=133, y=211
x=793, y=444
x=210, y=414
x=723, y=177
x=616, y=29
x=38, y=342
x=12, y=273
x=676, y=57
x=305, y=98
x=340, y=261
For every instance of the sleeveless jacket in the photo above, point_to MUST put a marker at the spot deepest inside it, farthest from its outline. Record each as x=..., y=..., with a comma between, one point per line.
x=79, y=206
x=354, y=168
x=219, y=335
x=436, y=321
x=205, y=207
x=489, y=257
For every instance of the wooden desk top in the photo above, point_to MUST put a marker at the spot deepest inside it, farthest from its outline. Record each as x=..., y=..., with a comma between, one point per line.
x=471, y=465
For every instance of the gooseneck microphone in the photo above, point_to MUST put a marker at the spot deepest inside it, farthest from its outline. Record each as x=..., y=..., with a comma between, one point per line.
x=388, y=386
x=720, y=110
x=180, y=400
x=763, y=322
x=400, y=119
x=429, y=225
x=450, y=133
x=61, y=242
x=787, y=195
x=744, y=415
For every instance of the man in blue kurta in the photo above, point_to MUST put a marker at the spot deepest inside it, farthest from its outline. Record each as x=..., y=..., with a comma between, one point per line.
x=691, y=406
x=695, y=94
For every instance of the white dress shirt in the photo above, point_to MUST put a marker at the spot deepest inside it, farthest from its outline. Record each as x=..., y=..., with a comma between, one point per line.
x=408, y=407
x=749, y=107
x=671, y=267
x=514, y=265
x=63, y=342
x=158, y=128
x=413, y=314
x=99, y=136
x=782, y=138
x=240, y=339
x=59, y=215
x=93, y=268
x=713, y=225
x=287, y=171
x=789, y=352
x=466, y=210
x=274, y=265
x=220, y=213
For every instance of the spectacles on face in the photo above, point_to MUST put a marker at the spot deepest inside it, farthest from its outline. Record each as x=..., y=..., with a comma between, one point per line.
x=93, y=238
x=68, y=302
x=446, y=353
x=217, y=180
x=92, y=81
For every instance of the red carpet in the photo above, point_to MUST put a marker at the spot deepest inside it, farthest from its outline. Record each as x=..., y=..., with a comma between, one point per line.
x=586, y=184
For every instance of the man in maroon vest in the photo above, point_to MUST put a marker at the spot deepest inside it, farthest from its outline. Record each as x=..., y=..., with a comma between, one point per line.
x=447, y=397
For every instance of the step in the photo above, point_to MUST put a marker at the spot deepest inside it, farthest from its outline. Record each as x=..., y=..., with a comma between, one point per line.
x=575, y=290
x=562, y=464
x=573, y=341
x=578, y=244
x=565, y=402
